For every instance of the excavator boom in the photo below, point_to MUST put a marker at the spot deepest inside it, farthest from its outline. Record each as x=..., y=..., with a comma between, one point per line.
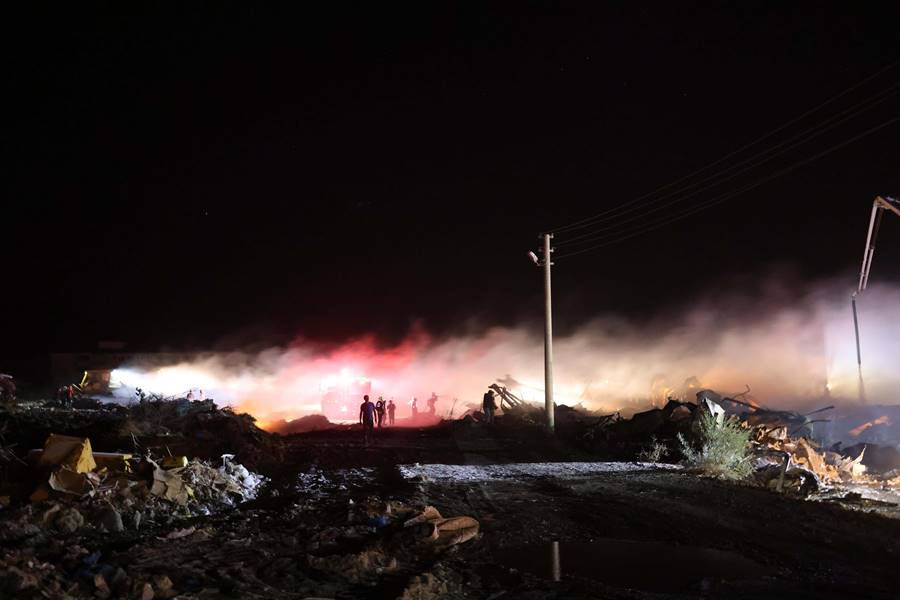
x=878, y=207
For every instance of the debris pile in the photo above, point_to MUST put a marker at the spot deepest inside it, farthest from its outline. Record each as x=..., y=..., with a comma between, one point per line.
x=196, y=428
x=302, y=425
x=76, y=470
x=782, y=449
x=83, y=494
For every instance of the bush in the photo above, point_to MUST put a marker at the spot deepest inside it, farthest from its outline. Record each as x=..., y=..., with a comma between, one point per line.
x=723, y=448
x=655, y=452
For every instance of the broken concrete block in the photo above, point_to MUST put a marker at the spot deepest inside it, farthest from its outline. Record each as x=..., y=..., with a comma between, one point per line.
x=111, y=520
x=162, y=586
x=50, y=514
x=102, y=588
x=69, y=520
x=147, y=592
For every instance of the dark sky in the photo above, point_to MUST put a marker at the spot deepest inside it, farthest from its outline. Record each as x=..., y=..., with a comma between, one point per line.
x=186, y=176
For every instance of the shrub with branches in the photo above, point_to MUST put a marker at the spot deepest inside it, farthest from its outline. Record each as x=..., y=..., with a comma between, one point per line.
x=722, y=449
x=655, y=452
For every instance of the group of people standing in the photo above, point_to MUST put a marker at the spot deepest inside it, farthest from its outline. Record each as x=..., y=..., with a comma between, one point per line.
x=373, y=415
x=380, y=413
x=65, y=396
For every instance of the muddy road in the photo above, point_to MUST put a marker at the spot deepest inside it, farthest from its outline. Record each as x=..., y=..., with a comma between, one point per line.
x=640, y=533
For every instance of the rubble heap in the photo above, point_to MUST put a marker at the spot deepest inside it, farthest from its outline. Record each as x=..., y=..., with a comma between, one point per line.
x=84, y=494
x=199, y=429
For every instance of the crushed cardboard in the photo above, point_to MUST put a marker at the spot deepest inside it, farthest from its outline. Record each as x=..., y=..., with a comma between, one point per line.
x=174, y=462
x=67, y=451
x=69, y=482
x=443, y=532
x=120, y=477
x=169, y=485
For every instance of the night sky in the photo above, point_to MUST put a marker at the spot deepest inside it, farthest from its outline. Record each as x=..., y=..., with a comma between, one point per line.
x=206, y=176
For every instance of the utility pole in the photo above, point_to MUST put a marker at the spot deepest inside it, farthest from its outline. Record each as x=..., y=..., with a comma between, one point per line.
x=548, y=336
x=546, y=263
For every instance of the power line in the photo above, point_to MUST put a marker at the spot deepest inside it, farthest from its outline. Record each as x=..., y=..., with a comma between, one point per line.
x=804, y=137
x=728, y=196
x=580, y=224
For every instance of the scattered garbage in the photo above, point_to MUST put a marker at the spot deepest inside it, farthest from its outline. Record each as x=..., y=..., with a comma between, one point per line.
x=118, y=477
x=81, y=494
x=167, y=428
x=164, y=512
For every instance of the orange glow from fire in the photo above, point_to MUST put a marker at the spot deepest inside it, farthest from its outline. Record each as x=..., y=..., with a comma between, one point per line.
x=882, y=420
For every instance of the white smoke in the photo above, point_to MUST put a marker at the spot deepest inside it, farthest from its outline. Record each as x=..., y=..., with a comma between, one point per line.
x=796, y=354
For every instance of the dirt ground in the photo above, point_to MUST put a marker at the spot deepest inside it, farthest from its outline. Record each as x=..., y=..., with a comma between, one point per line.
x=329, y=525
x=793, y=547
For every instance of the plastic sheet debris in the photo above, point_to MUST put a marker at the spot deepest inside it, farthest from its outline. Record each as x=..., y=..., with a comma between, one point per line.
x=180, y=533
x=709, y=405
x=248, y=481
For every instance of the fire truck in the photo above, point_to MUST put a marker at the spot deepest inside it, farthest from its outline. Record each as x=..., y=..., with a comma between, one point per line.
x=342, y=396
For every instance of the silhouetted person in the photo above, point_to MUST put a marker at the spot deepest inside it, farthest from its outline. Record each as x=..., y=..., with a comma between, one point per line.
x=415, y=409
x=379, y=411
x=367, y=418
x=62, y=396
x=431, y=403
x=391, y=408
x=489, y=406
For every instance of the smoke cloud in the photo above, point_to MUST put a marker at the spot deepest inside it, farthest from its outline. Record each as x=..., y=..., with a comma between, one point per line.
x=792, y=350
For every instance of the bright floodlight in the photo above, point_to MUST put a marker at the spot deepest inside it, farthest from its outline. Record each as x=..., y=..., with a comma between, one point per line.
x=534, y=258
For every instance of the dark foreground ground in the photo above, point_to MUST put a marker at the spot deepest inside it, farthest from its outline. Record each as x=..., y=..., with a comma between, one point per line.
x=626, y=535
x=329, y=525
